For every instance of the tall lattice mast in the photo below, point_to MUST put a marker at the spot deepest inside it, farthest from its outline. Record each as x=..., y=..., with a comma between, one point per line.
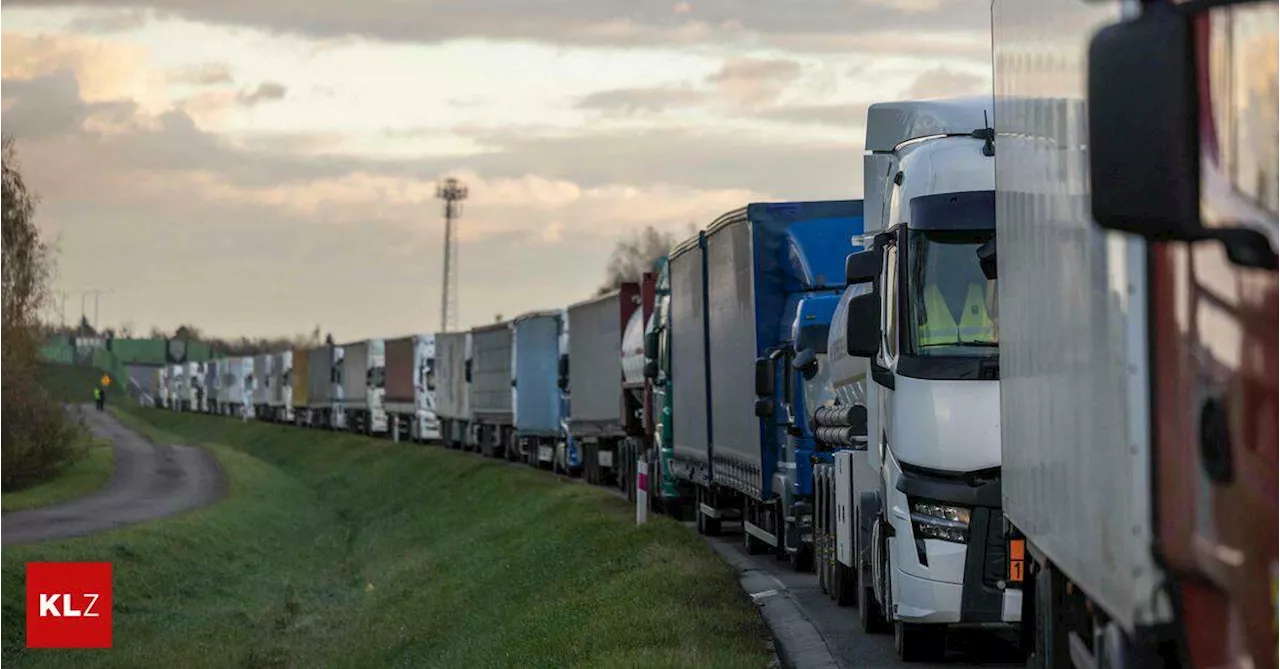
x=453, y=193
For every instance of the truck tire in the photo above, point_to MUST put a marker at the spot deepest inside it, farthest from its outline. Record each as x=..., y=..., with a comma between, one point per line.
x=869, y=617
x=918, y=643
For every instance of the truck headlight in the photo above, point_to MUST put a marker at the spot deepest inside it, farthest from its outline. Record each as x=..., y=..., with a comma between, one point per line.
x=932, y=520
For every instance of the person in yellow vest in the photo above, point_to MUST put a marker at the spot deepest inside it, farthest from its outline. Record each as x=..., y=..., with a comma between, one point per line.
x=99, y=397
x=941, y=328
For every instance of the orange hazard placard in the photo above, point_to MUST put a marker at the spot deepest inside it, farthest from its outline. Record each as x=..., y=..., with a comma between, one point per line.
x=1017, y=559
x=105, y=380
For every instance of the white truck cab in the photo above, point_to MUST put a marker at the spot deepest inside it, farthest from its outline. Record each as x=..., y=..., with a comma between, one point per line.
x=928, y=535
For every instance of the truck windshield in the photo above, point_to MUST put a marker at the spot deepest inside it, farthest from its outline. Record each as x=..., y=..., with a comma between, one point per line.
x=952, y=305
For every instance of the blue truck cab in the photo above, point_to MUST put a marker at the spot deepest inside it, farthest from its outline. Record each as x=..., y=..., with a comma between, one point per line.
x=772, y=276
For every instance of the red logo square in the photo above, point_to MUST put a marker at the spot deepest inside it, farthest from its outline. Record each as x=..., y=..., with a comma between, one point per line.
x=68, y=605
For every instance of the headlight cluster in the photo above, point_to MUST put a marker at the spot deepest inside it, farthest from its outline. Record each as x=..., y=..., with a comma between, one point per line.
x=931, y=520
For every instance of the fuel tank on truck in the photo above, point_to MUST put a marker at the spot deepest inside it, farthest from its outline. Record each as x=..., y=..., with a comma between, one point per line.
x=535, y=394
x=758, y=258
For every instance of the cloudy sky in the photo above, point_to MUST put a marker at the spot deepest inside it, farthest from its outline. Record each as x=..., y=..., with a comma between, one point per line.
x=260, y=168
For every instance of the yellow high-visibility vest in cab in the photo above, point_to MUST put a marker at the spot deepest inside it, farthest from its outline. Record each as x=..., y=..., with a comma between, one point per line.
x=940, y=327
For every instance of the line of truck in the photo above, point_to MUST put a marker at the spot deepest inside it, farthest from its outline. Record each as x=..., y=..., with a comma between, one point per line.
x=1087, y=456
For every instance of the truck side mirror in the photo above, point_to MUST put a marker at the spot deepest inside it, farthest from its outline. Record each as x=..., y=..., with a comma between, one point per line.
x=1144, y=145
x=764, y=377
x=651, y=369
x=863, y=334
x=651, y=344
x=862, y=266
x=806, y=362
x=987, y=259
x=467, y=371
x=1144, y=135
x=764, y=407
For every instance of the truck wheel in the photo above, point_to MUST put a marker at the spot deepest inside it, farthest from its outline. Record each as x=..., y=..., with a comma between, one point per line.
x=869, y=617
x=917, y=643
x=847, y=593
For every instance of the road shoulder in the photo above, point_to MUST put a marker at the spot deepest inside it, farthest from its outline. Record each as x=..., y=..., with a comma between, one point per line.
x=797, y=640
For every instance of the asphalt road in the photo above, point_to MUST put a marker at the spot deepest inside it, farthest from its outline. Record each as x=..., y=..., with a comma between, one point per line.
x=150, y=481
x=838, y=626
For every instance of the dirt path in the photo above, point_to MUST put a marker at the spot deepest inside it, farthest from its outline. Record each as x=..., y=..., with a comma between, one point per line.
x=150, y=481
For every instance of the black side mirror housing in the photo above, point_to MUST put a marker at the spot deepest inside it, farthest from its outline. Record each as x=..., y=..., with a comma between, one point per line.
x=467, y=372
x=764, y=377
x=862, y=266
x=863, y=334
x=651, y=369
x=987, y=259
x=1144, y=135
x=651, y=344
x=764, y=407
x=806, y=362
x=562, y=371
x=1144, y=144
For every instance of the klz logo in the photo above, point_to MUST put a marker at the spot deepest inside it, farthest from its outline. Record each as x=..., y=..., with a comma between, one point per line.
x=68, y=605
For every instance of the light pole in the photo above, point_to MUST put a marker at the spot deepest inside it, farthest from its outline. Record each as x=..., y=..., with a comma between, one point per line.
x=453, y=192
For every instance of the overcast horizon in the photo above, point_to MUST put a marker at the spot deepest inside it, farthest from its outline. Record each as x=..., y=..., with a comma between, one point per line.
x=259, y=169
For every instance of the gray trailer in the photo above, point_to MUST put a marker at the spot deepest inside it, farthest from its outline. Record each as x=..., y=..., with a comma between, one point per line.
x=597, y=421
x=364, y=386
x=537, y=406
x=281, y=393
x=262, y=386
x=212, y=386
x=453, y=392
x=491, y=389
x=691, y=426
x=325, y=389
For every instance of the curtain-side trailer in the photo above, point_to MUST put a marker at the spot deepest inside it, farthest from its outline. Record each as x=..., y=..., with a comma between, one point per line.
x=491, y=388
x=453, y=393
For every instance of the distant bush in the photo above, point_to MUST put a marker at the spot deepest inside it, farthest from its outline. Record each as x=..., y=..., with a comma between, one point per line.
x=37, y=438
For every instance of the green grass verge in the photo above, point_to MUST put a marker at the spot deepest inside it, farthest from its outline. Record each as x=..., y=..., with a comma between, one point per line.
x=88, y=474
x=337, y=550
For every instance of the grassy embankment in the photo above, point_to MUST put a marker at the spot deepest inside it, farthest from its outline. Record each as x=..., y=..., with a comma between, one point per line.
x=337, y=550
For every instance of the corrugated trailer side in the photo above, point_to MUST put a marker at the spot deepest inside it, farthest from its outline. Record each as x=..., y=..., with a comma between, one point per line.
x=691, y=429
x=732, y=312
x=453, y=397
x=595, y=366
x=1074, y=396
x=536, y=348
x=355, y=369
x=300, y=377
x=491, y=373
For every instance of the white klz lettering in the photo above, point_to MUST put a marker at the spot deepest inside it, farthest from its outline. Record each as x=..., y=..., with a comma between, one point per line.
x=49, y=605
x=88, y=610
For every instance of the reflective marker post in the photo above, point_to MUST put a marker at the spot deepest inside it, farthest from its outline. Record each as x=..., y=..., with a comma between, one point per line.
x=642, y=492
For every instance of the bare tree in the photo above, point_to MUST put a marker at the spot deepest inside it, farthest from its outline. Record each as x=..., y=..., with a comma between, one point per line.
x=634, y=255
x=126, y=330
x=36, y=438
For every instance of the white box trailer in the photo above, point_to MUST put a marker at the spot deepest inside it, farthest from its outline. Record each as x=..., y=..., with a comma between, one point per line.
x=262, y=385
x=280, y=403
x=453, y=388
